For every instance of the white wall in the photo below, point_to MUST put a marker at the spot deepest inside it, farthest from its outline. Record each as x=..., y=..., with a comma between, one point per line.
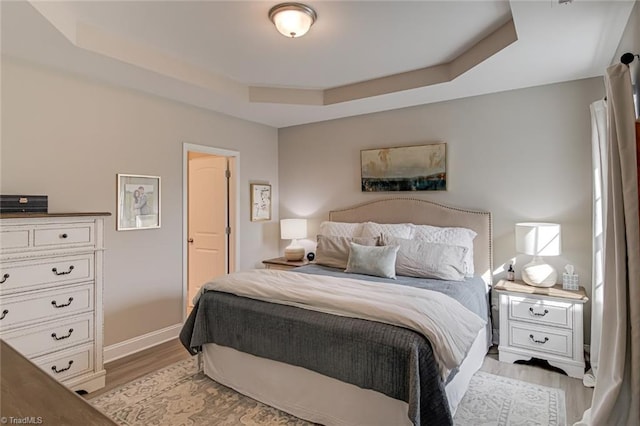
x=524, y=155
x=67, y=138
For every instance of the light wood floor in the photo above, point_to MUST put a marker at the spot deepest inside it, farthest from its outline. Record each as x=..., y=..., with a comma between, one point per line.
x=578, y=397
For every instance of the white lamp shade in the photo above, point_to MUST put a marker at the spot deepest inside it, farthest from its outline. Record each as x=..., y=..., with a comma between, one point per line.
x=291, y=229
x=538, y=239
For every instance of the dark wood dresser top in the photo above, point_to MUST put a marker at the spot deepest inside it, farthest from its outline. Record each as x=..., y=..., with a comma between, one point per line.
x=28, y=392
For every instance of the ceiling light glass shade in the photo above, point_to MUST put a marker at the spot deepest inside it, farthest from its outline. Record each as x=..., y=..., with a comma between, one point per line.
x=537, y=240
x=292, y=19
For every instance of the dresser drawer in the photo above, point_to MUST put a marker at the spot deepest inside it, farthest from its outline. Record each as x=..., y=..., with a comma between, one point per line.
x=545, y=312
x=12, y=239
x=63, y=235
x=66, y=364
x=53, y=336
x=542, y=339
x=50, y=305
x=44, y=273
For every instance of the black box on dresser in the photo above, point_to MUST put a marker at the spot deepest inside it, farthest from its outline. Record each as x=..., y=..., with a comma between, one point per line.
x=24, y=204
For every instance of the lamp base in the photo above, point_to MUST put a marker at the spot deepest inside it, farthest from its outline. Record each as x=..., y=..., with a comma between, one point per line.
x=537, y=273
x=294, y=254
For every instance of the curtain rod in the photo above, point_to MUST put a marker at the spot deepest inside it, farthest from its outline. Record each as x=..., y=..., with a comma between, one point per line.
x=627, y=58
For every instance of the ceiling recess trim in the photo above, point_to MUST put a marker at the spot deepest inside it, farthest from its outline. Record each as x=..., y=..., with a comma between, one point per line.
x=145, y=57
x=443, y=73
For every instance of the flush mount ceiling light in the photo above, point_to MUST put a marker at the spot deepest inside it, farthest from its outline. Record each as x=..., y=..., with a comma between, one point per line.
x=292, y=19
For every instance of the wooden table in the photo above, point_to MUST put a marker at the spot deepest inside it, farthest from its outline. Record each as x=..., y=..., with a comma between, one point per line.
x=29, y=395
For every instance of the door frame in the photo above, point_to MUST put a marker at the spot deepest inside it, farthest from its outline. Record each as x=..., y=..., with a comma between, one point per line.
x=235, y=233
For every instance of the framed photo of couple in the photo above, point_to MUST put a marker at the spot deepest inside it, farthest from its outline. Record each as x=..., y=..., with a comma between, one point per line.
x=138, y=202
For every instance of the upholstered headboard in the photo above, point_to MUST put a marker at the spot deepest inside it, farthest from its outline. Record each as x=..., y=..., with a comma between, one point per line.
x=422, y=212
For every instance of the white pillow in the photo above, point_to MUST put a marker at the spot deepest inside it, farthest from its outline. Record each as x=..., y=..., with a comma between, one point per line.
x=341, y=229
x=400, y=230
x=451, y=236
x=428, y=260
x=371, y=260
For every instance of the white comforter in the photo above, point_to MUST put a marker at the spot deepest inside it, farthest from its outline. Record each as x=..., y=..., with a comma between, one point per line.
x=450, y=327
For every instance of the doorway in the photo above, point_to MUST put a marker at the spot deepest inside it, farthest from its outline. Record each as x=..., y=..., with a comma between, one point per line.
x=210, y=188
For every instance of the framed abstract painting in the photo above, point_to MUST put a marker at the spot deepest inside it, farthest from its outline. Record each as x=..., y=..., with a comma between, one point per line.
x=406, y=168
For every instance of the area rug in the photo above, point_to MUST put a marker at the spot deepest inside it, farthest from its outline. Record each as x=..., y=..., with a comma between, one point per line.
x=180, y=395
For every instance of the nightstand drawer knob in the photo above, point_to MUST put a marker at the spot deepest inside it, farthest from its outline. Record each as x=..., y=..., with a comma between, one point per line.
x=538, y=314
x=541, y=342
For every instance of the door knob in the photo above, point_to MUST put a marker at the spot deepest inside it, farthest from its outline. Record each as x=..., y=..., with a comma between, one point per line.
x=190, y=240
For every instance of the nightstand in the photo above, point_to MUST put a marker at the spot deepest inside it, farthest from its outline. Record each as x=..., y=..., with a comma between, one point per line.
x=284, y=264
x=544, y=323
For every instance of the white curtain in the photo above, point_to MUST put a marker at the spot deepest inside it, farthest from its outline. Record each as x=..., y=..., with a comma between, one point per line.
x=616, y=397
x=599, y=156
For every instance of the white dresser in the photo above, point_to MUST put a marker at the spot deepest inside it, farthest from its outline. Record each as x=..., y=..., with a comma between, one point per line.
x=51, y=293
x=544, y=323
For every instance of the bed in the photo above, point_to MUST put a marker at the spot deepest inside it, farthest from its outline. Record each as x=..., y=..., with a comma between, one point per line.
x=330, y=368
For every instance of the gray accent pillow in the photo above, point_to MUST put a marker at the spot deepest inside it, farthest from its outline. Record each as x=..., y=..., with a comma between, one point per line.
x=333, y=251
x=423, y=259
x=377, y=261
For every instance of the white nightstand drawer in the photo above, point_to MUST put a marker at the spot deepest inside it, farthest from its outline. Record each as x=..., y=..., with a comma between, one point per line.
x=53, y=304
x=541, y=311
x=54, y=336
x=69, y=363
x=63, y=235
x=14, y=239
x=541, y=339
x=44, y=273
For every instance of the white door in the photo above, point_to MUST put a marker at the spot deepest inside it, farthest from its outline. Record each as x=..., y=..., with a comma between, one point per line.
x=207, y=215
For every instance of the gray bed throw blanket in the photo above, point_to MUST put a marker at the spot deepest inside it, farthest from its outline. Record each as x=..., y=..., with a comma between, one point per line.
x=391, y=360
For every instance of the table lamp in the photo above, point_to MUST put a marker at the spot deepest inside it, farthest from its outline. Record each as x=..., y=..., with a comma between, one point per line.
x=537, y=240
x=293, y=229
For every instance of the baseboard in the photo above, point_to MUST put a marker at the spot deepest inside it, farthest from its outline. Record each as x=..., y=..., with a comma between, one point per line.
x=137, y=344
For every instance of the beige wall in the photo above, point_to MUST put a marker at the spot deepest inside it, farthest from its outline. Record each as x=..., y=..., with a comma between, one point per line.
x=67, y=138
x=630, y=42
x=524, y=155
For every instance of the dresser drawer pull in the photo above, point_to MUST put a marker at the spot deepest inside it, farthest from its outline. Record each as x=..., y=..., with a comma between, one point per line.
x=55, y=271
x=541, y=342
x=55, y=337
x=4, y=314
x=55, y=305
x=4, y=278
x=55, y=369
x=538, y=314
x=63, y=235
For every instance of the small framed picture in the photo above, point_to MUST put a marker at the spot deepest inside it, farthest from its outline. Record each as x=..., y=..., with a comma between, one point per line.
x=260, y=202
x=138, y=202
